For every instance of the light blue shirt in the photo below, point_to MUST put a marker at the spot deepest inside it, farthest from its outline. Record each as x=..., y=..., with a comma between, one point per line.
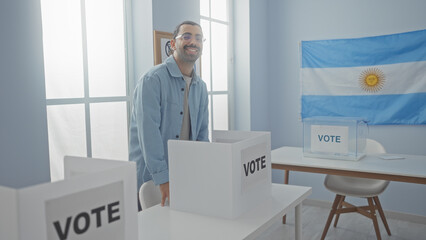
x=157, y=117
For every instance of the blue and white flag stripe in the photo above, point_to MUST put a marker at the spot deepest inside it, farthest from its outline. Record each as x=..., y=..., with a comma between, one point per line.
x=398, y=79
x=381, y=79
x=368, y=51
x=407, y=109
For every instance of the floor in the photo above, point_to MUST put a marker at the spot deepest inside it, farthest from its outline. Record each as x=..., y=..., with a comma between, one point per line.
x=350, y=226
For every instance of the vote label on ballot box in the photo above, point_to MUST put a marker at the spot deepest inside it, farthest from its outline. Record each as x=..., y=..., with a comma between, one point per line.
x=223, y=178
x=95, y=200
x=334, y=137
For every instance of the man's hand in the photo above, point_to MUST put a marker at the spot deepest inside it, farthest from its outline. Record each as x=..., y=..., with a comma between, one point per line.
x=164, y=189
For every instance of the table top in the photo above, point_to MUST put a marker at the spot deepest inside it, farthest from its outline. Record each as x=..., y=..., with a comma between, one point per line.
x=406, y=168
x=163, y=223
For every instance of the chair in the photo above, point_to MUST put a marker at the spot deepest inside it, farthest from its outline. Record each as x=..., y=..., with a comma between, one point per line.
x=149, y=195
x=357, y=187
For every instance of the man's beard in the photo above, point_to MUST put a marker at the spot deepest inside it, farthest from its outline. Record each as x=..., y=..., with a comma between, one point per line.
x=191, y=58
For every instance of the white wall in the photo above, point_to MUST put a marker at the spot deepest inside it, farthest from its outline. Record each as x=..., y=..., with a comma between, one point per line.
x=241, y=64
x=141, y=44
x=251, y=82
x=167, y=14
x=24, y=155
x=289, y=22
x=259, y=61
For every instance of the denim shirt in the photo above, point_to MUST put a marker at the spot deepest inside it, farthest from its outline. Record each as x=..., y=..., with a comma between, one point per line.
x=157, y=116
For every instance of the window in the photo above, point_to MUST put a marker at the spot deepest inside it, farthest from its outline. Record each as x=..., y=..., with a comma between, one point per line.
x=215, y=60
x=84, y=44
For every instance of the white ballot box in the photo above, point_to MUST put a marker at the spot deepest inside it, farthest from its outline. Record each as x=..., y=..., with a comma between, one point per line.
x=96, y=200
x=334, y=137
x=223, y=178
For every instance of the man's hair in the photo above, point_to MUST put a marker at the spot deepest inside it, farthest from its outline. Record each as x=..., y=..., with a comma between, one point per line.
x=175, y=33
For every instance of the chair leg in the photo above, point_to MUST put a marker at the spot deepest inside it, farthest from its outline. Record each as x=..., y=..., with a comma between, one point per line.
x=330, y=216
x=382, y=214
x=338, y=207
x=373, y=217
x=284, y=219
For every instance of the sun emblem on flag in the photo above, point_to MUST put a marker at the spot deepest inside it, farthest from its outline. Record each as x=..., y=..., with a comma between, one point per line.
x=372, y=80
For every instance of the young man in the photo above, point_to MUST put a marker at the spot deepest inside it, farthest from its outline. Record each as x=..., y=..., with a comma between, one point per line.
x=170, y=102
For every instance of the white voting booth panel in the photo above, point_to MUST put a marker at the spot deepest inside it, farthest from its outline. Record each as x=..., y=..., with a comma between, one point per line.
x=96, y=200
x=223, y=178
x=8, y=214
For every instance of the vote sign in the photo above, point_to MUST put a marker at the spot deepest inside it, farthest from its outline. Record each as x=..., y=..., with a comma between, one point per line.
x=330, y=139
x=91, y=214
x=254, y=166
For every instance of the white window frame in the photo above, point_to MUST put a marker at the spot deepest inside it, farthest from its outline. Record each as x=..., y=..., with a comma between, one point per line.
x=230, y=91
x=87, y=100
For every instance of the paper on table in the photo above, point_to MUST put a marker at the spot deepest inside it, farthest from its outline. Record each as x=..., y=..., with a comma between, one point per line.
x=391, y=157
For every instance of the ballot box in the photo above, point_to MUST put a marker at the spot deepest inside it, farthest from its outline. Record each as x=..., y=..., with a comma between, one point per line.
x=223, y=178
x=334, y=137
x=95, y=200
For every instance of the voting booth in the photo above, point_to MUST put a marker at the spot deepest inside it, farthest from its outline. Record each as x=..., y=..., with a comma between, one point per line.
x=96, y=200
x=223, y=178
x=334, y=137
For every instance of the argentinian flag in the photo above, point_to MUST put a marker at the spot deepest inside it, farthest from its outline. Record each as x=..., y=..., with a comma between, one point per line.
x=380, y=79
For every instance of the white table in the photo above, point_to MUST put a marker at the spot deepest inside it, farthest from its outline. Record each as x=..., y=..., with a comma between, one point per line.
x=410, y=168
x=163, y=223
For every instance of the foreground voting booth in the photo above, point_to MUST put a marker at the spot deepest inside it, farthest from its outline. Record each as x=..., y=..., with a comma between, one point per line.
x=96, y=200
x=223, y=178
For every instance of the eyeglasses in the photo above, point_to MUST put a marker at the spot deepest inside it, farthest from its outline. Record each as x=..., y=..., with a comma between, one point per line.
x=188, y=37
